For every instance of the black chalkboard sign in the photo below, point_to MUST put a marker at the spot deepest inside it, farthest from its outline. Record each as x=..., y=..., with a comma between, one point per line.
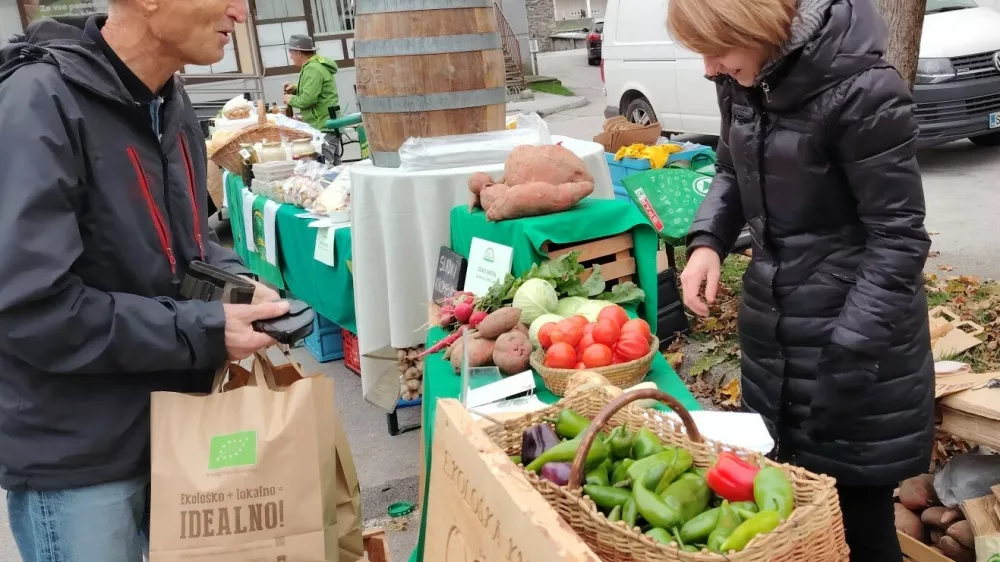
x=450, y=274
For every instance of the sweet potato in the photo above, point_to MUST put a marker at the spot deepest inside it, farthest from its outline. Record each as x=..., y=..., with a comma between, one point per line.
x=477, y=183
x=962, y=532
x=512, y=352
x=537, y=198
x=499, y=322
x=552, y=164
x=480, y=352
x=936, y=535
x=940, y=516
x=490, y=195
x=908, y=523
x=917, y=493
x=521, y=328
x=954, y=550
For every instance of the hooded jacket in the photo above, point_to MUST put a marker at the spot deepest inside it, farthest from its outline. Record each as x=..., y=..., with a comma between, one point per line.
x=316, y=92
x=99, y=220
x=819, y=158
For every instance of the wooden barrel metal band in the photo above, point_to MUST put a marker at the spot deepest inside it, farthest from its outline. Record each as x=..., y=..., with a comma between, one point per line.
x=386, y=159
x=433, y=102
x=407, y=46
x=365, y=7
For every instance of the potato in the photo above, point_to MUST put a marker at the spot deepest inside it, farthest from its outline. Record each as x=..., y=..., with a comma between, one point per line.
x=581, y=378
x=940, y=516
x=908, y=523
x=499, y=322
x=917, y=493
x=954, y=550
x=962, y=532
x=480, y=352
x=512, y=352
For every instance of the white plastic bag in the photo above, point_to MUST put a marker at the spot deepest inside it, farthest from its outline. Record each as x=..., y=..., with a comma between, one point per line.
x=480, y=149
x=238, y=108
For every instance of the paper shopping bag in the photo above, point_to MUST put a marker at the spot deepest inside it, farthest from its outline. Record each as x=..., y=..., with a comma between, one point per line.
x=247, y=474
x=348, y=496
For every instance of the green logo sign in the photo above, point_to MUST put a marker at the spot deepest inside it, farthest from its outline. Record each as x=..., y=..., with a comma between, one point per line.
x=488, y=257
x=235, y=449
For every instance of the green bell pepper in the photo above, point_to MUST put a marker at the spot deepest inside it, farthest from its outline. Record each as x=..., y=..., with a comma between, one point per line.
x=660, y=535
x=646, y=444
x=607, y=497
x=616, y=513
x=569, y=424
x=620, y=442
x=687, y=497
x=728, y=521
x=599, y=474
x=698, y=528
x=681, y=463
x=654, y=510
x=566, y=451
x=762, y=523
x=772, y=491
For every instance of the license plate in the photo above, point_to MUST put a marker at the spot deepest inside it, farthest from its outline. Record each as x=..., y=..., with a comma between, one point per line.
x=995, y=120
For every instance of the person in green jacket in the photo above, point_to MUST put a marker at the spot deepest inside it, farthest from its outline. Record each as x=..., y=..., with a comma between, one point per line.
x=316, y=91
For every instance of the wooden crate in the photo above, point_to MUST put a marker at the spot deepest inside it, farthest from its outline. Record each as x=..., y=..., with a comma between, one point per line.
x=376, y=547
x=615, y=255
x=919, y=552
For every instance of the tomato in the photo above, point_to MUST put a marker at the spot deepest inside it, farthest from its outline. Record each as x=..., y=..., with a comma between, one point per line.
x=560, y=356
x=607, y=332
x=597, y=355
x=631, y=346
x=580, y=366
x=580, y=320
x=567, y=331
x=545, y=334
x=589, y=328
x=614, y=313
x=586, y=341
x=638, y=326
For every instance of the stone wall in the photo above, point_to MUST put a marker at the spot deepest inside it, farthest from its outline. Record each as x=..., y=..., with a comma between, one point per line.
x=541, y=22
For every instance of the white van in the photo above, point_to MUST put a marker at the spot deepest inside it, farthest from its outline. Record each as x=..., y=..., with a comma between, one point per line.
x=648, y=77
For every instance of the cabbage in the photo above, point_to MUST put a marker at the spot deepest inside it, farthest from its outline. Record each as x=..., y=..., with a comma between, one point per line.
x=568, y=306
x=591, y=309
x=536, y=326
x=535, y=297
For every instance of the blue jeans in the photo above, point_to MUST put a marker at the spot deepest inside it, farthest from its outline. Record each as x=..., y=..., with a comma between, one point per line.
x=103, y=523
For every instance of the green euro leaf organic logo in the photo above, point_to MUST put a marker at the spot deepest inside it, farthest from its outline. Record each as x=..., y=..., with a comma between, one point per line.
x=233, y=450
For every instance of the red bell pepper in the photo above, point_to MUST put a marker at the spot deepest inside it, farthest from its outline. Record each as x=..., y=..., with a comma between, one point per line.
x=732, y=478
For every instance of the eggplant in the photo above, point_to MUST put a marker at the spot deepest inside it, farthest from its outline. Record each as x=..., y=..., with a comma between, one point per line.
x=557, y=472
x=536, y=440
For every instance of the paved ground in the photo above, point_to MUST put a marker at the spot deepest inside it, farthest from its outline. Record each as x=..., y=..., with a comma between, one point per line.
x=963, y=199
x=961, y=181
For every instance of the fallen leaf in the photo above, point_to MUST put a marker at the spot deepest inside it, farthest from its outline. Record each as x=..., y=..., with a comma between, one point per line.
x=970, y=280
x=932, y=232
x=933, y=254
x=705, y=363
x=675, y=359
x=945, y=268
x=730, y=394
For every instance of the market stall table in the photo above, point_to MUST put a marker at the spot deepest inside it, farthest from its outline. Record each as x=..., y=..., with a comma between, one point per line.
x=400, y=220
x=440, y=381
x=329, y=290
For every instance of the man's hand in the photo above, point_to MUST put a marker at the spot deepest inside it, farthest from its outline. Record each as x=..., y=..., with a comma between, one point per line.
x=287, y=98
x=704, y=266
x=262, y=293
x=290, y=88
x=242, y=340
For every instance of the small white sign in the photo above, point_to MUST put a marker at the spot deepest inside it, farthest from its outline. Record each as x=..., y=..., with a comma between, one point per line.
x=533, y=45
x=325, y=247
x=509, y=386
x=489, y=263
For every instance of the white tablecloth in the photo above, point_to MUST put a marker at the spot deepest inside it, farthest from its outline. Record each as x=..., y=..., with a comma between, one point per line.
x=399, y=221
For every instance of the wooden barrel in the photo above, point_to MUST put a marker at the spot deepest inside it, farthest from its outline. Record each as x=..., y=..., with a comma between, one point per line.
x=427, y=68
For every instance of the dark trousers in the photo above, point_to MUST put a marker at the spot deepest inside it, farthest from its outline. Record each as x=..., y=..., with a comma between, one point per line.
x=869, y=522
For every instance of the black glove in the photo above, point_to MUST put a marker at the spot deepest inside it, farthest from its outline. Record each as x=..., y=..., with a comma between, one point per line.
x=843, y=379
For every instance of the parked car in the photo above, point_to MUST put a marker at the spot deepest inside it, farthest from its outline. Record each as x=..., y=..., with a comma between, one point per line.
x=594, y=40
x=650, y=78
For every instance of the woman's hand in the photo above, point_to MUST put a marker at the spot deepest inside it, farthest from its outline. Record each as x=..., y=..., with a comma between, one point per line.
x=704, y=266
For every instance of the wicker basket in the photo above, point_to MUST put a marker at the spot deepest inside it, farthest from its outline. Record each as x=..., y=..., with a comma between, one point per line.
x=622, y=375
x=813, y=533
x=228, y=156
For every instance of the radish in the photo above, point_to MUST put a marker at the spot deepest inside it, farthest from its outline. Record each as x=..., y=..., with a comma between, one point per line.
x=442, y=343
x=463, y=311
x=477, y=317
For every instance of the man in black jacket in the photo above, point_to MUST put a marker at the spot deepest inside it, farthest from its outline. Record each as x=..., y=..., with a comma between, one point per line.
x=104, y=193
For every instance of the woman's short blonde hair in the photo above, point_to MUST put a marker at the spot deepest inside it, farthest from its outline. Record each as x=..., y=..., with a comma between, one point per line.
x=715, y=27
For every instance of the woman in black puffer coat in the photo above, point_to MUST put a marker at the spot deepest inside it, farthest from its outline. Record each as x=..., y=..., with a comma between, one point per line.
x=817, y=155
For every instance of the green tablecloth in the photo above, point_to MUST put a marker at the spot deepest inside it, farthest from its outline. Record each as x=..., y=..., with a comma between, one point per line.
x=440, y=381
x=329, y=290
x=592, y=218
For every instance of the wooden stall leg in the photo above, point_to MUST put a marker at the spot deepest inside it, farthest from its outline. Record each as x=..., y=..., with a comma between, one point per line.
x=375, y=546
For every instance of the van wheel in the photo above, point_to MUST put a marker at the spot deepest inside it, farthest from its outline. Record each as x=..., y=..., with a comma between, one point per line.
x=992, y=139
x=640, y=112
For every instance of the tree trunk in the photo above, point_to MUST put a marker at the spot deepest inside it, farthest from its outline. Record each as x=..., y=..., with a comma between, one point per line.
x=906, y=22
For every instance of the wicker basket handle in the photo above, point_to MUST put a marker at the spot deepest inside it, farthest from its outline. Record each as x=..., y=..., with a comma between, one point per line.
x=261, y=113
x=610, y=409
